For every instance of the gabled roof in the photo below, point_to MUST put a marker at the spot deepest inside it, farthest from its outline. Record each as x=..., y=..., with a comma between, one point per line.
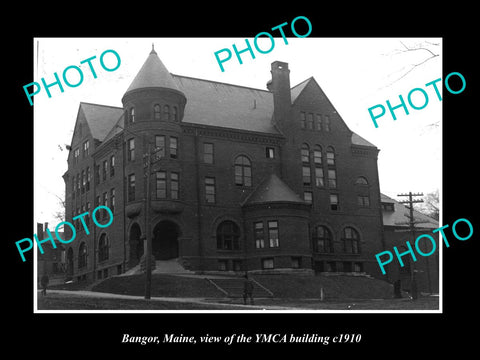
x=100, y=118
x=153, y=74
x=272, y=189
x=226, y=105
x=297, y=89
x=398, y=217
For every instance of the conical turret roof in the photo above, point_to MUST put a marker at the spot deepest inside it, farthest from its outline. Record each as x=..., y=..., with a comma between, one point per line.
x=271, y=190
x=153, y=74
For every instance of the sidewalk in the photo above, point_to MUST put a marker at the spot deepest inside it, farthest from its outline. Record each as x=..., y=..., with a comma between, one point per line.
x=203, y=301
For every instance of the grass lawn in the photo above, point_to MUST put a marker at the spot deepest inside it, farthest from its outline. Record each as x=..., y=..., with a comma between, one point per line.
x=294, y=291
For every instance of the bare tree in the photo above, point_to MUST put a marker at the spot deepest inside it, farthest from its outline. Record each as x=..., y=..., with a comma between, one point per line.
x=431, y=205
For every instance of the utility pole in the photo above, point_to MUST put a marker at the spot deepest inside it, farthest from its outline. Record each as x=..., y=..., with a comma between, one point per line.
x=148, y=257
x=147, y=168
x=410, y=202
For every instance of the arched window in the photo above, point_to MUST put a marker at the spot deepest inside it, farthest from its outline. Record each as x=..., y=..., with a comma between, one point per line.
x=363, y=192
x=351, y=241
x=132, y=115
x=330, y=156
x=175, y=113
x=305, y=153
x=323, y=241
x=243, y=171
x=103, y=247
x=228, y=236
x=361, y=181
x=166, y=112
x=156, y=112
x=82, y=255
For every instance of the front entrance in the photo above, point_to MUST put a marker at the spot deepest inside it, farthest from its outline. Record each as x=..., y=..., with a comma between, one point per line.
x=165, y=240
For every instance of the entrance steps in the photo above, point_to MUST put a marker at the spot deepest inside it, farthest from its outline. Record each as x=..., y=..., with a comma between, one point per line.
x=171, y=266
x=233, y=286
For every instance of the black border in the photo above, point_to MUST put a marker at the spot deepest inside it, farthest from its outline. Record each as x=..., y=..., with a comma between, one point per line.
x=382, y=334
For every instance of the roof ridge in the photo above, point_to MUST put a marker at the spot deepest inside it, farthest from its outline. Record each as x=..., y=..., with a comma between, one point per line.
x=220, y=82
x=110, y=106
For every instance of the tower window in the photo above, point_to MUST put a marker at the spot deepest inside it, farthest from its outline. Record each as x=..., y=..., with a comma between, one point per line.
x=173, y=147
x=132, y=115
x=166, y=112
x=156, y=112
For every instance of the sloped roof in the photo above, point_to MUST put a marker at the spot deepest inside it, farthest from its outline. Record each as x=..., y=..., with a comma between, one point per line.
x=152, y=74
x=272, y=189
x=297, y=89
x=358, y=140
x=226, y=105
x=100, y=118
x=398, y=217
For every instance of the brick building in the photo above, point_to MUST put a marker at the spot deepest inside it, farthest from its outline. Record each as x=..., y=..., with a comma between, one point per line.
x=241, y=179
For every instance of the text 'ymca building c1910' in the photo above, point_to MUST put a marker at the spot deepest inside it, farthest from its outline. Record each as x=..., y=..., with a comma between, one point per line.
x=239, y=179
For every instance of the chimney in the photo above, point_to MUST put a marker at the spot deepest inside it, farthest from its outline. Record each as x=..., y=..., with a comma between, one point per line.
x=280, y=87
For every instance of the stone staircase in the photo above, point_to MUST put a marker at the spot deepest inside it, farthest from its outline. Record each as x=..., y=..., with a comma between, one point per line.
x=171, y=266
x=233, y=287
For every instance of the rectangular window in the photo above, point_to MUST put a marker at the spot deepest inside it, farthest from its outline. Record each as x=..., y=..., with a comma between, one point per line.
x=319, y=180
x=87, y=184
x=208, y=153
x=268, y=264
x=310, y=121
x=296, y=262
x=174, y=180
x=84, y=181
x=327, y=123
x=318, y=124
x=104, y=203
x=333, y=201
x=112, y=165
x=104, y=170
x=306, y=175
x=259, y=235
x=173, y=147
x=160, y=146
x=270, y=152
x=303, y=120
x=161, y=184
x=97, y=174
x=131, y=149
x=308, y=197
x=86, y=146
x=222, y=265
x=273, y=234
x=347, y=266
x=363, y=201
x=332, y=178
x=76, y=155
x=210, y=190
x=112, y=200
x=358, y=267
x=131, y=187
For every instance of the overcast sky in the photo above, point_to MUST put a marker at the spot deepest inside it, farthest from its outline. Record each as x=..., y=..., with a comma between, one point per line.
x=355, y=74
